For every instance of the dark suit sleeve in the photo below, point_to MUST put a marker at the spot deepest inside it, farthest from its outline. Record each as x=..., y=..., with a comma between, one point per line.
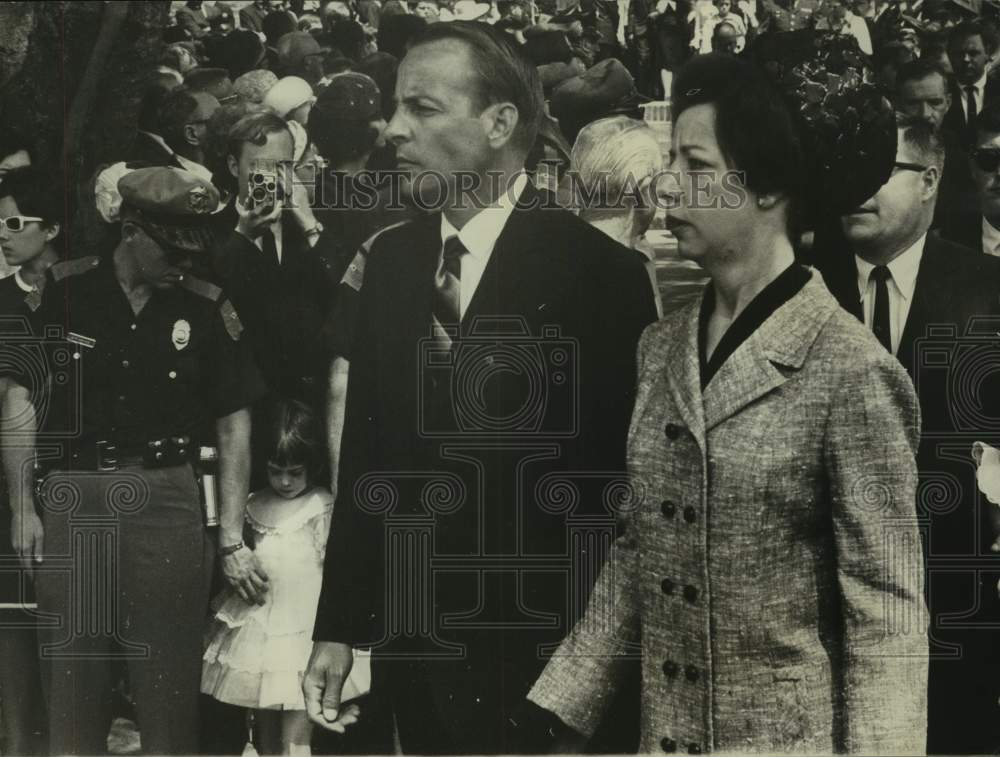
x=350, y=603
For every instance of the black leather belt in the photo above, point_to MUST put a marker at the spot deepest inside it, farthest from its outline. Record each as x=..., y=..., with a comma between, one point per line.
x=107, y=455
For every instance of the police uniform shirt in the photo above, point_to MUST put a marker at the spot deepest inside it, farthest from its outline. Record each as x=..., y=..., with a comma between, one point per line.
x=169, y=370
x=18, y=303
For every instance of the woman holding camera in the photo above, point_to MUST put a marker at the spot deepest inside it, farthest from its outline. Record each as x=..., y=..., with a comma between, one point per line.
x=773, y=575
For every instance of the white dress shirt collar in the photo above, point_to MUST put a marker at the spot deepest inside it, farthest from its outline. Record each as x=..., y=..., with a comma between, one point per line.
x=479, y=236
x=903, y=268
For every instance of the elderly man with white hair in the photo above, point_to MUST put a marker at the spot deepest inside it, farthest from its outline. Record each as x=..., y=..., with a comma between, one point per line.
x=613, y=165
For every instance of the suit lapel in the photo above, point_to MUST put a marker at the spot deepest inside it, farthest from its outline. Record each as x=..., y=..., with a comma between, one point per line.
x=684, y=374
x=783, y=339
x=932, y=278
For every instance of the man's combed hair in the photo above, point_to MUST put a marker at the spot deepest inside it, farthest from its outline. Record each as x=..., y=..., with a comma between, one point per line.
x=923, y=139
x=254, y=129
x=921, y=68
x=175, y=111
x=504, y=72
x=967, y=29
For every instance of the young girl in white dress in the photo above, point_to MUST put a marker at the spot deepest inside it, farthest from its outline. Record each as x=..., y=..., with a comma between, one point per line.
x=255, y=655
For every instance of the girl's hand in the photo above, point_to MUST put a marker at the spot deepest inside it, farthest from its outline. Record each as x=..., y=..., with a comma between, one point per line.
x=244, y=573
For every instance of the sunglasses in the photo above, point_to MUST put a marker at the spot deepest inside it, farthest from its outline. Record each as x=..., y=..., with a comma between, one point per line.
x=16, y=223
x=987, y=159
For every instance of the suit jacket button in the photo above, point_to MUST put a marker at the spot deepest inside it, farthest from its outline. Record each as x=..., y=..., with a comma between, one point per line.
x=670, y=668
x=694, y=749
x=672, y=431
x=691, y=594
x=667, y=586
x=691, y=673
x=668, y=508
x=690, y=515
x=668, y=745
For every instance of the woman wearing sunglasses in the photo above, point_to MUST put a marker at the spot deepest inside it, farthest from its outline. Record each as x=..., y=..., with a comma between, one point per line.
x=30, y=222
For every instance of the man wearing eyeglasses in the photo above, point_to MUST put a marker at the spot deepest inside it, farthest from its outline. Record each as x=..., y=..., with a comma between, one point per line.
x=183, y=122
x=984, y=161
x=920, y=295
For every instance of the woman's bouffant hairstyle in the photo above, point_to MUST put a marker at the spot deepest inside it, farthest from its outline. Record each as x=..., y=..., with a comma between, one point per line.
x=293, y=435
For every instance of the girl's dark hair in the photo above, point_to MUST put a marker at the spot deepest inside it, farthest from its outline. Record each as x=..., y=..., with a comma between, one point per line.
x=293, y=435
x=31, y=188
x=769, y=154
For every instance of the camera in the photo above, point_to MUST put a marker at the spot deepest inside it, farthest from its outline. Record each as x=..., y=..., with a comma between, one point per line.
x=263, y=189
x=499, y=381
x=957, y=377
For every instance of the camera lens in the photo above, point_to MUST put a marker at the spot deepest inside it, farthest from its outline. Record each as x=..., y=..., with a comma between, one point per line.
x=257, y=178
x=259, y=194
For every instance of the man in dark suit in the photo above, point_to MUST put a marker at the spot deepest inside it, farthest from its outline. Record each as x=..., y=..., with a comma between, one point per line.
x=970, y=47
x=492, y=371
x=925, y=299
x=977, y=226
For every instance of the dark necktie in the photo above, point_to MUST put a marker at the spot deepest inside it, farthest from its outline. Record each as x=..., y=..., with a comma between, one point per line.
x=970, y=111
x=448, y=283
x=880, y=322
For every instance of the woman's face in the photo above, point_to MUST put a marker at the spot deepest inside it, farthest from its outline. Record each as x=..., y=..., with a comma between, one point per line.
x=710, y=209
x=21, y=247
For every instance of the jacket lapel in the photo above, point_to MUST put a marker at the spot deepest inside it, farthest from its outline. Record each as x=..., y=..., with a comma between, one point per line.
x=782, y=340
x=932, y=281
x=684, y=374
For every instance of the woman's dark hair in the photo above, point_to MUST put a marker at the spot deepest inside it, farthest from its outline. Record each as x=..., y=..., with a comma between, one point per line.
x=753, y=125
x=31, y=188
x=340, y=141
x=503, y=71
x=293, y=435
x=383, y=68
x=14, y=141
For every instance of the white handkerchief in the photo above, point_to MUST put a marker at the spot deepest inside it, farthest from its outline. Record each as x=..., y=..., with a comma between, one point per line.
x=988, y=472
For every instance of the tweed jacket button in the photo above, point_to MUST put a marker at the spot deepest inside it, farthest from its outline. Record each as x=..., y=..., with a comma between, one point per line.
x=690, y=515
x=670, y=668
x=667, y=586
x=668, y=508
x=691, y=594
x=694, y=749
x=691, y=673
x=668, y=745
x=672, y=431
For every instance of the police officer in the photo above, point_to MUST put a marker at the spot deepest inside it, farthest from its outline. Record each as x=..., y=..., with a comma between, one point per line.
x=146, y=362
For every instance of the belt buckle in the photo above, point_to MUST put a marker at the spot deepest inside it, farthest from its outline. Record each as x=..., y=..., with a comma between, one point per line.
x=107, y=455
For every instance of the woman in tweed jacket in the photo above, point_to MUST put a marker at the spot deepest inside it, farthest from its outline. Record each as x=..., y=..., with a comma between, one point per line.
x=771, y=575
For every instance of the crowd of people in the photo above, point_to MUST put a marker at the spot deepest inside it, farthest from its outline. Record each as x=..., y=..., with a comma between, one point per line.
x=368, y=419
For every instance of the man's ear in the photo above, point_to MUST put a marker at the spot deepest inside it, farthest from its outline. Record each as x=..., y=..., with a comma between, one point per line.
x=51, y=232
x=234, y=166
x=503, y=118
x=931, y=180
x=191, y=135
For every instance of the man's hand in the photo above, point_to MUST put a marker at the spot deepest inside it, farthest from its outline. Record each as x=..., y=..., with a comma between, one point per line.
x=256, y=220
x=244, y=573
x=27, y=537
x=323, y=682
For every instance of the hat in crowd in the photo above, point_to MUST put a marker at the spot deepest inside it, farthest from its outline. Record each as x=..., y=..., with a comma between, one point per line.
x=172, y=205
x=548, y=47
x=214, y=81
x=240, y=52
x=287, y=94
x=223, y=19
x=847, y=126
x=554, y=74
x=350, y=96
x=295, y=47
x=276, y=24
x=470, y=10
x=253, y=85
x=605, y=89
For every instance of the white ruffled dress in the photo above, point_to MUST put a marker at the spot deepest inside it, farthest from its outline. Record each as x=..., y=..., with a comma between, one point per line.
x=255, y=655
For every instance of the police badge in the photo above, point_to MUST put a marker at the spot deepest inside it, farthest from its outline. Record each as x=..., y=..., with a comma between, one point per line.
x=181, y=334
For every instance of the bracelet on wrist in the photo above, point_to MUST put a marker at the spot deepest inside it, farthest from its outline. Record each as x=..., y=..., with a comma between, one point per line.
x=228, y=550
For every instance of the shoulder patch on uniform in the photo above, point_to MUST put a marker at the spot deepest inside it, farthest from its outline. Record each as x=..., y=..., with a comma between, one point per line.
x=201, y=287
x=354, y=276
x=74, y=267
x=231, y=320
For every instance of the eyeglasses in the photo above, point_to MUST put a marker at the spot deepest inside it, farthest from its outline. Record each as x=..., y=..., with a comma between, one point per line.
x=910, y=167
x=987, y=159
x=16, y=223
